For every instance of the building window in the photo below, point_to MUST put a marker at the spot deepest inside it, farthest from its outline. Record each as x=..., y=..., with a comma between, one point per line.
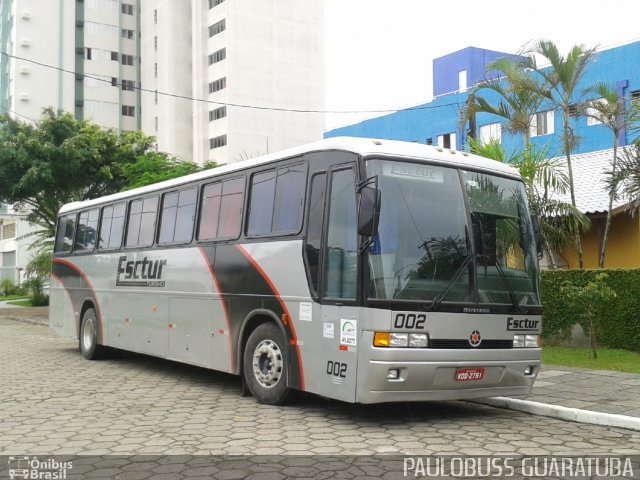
x=217, y=27
x=88, y=53
x=128, y=110
x=155, y=70
x=8, y=231
x=114, y=82
x=129, y=85
x=462, y=80
x=491, y=132
x=635, y=97
x=218, y=84
x=128, y=34
x=155, y=17
x=217, y=114
x=155, y=43
x=218, y=56
x=542, y=123
x=429, y=141
x=127, y=59
x=156, y=124
x=155, y=97
x=217, y=142
x=114, y=56
x=127, y=9
x=213, y=3
x=448, y=140
x=573, y=110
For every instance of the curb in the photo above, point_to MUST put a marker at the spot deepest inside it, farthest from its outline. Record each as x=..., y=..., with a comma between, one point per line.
x=563, y=413
x=33, y=321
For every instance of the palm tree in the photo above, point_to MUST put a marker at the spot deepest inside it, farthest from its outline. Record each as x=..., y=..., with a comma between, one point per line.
x=626, y=180
x=608, y=109
x=544, y=179
x=519, y=98
x=561, y=79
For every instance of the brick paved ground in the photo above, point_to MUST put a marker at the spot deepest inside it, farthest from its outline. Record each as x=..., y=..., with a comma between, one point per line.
x=55, y=402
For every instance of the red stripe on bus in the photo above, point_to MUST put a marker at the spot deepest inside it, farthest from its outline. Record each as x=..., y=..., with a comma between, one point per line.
x=59, y=280
x=224, y=308
x=95, y=295
x=284, y=308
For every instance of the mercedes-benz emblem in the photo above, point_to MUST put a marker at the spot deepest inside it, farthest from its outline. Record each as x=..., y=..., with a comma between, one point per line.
x=475, y=338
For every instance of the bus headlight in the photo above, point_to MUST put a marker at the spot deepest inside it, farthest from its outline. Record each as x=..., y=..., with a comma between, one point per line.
x=531, y=341
x=418, y=340
x=399, y=340
x=526, y=341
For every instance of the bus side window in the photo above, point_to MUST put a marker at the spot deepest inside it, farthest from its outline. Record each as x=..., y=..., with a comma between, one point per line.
x=177, y=218
x=314, y=228
x=142, y=221
x=341, y=248
x=221, y=211
x=111, y=227
x=64, y=235
x=86, y=231
x=276, y=203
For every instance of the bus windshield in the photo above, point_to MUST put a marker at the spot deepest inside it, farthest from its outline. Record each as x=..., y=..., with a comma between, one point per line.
x=429, y=248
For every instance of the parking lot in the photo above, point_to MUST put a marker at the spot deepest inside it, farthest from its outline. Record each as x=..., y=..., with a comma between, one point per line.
x=54, y=402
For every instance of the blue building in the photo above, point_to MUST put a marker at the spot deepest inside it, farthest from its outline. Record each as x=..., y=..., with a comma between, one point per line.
x=438, y=121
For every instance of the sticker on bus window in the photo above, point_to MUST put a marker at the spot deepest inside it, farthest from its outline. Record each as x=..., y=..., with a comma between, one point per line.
x=305, y=312
x=348, y=332
x=425, y=173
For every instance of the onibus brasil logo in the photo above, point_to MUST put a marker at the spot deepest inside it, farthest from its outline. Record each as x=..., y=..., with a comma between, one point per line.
x=32, y=468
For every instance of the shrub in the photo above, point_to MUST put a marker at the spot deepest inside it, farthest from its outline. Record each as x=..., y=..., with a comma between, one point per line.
x=620, y=328
x=7, y=287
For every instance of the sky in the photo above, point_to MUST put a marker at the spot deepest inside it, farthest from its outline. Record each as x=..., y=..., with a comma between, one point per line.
x=379, y=53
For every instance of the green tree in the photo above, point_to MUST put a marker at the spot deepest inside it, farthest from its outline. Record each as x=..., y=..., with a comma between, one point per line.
x=38, y=271
x=592, y=302
x=559, y=87
x=60, y=159
x=518, y=98
x=544, y=179
x=625, y=181
x=609, y=109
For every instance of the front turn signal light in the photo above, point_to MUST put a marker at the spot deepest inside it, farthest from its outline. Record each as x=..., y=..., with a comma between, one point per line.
x=382, y=339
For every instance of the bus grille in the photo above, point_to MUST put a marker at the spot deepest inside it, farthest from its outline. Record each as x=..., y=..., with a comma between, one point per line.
x=452, y=344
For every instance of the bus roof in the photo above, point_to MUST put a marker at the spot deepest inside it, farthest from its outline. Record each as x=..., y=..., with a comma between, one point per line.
x=360, y=146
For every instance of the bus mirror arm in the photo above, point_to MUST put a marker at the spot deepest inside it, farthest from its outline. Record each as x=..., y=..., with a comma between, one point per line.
x=535, y=222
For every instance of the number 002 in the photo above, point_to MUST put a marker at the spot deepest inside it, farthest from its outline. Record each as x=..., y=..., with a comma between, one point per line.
x=410, y=320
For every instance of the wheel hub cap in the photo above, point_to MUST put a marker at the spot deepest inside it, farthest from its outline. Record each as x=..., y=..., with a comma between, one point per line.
x=267, y=363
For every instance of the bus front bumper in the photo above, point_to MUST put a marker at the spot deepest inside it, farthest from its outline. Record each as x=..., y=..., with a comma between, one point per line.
x=505, y=372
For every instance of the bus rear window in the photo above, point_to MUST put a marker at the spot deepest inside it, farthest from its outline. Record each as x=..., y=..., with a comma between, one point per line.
x=64, y=235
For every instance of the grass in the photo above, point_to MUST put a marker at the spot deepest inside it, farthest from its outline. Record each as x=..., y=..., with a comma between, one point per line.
x=13, y=297
x=608, y=359
x=21, y=303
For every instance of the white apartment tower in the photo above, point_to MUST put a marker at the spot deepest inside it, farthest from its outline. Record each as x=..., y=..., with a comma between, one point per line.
x=258, y=59
x=210, y=79
x=78, y=56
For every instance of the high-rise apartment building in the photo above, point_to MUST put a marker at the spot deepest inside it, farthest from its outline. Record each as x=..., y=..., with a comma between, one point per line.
x=78, y=56
x=210, y=79
x=257, y=59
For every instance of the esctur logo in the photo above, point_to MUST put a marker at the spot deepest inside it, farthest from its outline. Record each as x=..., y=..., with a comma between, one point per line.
x=140, y=273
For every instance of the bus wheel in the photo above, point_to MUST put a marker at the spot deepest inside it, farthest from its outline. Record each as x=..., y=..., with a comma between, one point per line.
x=89, y=336
x=265, y=365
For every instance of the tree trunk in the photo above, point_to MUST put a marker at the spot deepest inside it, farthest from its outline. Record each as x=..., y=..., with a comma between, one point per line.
x=567, y=149
x=607, y=224
x=550, y=256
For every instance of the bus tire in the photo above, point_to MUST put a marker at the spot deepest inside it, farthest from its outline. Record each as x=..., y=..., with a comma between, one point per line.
x=89, y=336
x=265, y=365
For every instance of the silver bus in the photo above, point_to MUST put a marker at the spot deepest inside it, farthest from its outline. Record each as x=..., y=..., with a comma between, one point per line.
x=356, y=269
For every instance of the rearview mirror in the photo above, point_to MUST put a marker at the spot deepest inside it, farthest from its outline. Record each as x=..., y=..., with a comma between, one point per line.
x=368, y=211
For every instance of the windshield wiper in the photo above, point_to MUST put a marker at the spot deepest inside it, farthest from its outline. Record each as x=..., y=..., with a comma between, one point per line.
x=438, y=300
x=516, y=306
